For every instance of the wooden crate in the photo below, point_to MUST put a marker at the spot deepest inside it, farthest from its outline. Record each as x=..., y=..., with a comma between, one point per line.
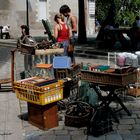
x=134, y=91
x=71, y=73
x=44, y=117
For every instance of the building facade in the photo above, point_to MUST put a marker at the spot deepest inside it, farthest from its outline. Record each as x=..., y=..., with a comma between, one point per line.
x=14, y=13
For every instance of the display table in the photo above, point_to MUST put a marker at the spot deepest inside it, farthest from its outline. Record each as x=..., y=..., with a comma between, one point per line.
x=110, y=82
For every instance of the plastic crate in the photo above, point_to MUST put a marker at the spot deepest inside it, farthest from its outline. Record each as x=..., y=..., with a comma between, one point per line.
x=39, y=95
x=61, y=62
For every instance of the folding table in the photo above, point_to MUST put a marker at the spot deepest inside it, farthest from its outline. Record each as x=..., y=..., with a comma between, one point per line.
x=111, y=82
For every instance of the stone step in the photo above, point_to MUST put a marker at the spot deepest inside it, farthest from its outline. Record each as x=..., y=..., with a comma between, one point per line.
x=84, y=50
x=8, y=42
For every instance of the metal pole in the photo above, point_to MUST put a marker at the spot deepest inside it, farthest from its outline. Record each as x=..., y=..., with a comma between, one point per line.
x=12, y=67
x=27, y=13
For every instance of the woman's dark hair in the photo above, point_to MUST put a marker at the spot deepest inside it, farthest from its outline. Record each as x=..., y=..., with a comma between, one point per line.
x=64, y=9
x=26, y=29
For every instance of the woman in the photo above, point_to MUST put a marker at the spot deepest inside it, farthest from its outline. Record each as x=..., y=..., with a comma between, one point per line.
x=62, y=32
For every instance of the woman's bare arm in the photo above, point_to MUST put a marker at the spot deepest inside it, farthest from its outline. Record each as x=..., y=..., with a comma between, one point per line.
x=55, y=31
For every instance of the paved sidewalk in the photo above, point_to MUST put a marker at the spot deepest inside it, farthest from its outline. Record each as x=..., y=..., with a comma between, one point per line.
x=10, y=125
x=14, y=128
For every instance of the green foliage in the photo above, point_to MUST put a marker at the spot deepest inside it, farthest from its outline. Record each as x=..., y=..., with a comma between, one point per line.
x=126, y=10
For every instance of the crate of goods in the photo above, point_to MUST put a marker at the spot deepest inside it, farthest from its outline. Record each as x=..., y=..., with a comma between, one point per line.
x=134, y=90
x=41, y=93
x=117, y=78
x=44, y=70
x=78, y=114
x=28, y=45
x=73, y=71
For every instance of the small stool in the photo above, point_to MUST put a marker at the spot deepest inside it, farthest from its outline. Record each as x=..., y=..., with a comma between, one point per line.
x=5, y=87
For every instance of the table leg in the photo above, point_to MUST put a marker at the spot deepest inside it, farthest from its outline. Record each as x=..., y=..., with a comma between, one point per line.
x=105, y=102
x=122, y=105
x=113, y=115
x=112, y=96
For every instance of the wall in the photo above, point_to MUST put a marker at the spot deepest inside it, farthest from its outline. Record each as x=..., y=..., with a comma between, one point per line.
x=13, y=12
x=73, y=4
x=52, y=10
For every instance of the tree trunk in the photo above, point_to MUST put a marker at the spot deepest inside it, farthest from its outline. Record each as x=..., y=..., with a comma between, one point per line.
x=81, y=23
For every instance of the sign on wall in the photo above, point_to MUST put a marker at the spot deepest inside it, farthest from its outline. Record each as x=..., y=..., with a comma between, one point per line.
x=91, y=8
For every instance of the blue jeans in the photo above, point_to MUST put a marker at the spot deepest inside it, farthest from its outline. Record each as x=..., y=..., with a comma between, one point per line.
x=65, y=45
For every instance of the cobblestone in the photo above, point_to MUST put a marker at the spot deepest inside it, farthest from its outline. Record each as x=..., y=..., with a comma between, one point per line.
x=137, y=121
x=114, y=136
x=125, y=127
x=127, y=132
x=136, y=131
x=79, y=137
x=129, y=137
x=136, y=126
x=127, y=121
x=63, y=137
x=133, y=116
x=96, y=138
x=47, y=137
x=77, y=132
x=61, y=132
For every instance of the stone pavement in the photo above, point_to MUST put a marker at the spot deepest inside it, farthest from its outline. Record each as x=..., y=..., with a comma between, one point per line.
x=127, y=129
x=12, y=127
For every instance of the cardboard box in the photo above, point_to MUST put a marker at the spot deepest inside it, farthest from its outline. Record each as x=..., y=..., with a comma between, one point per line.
x=134, y=91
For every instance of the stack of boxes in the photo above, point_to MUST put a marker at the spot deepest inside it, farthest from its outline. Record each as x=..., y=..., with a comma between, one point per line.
x=41, y=93
x=63, y=69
